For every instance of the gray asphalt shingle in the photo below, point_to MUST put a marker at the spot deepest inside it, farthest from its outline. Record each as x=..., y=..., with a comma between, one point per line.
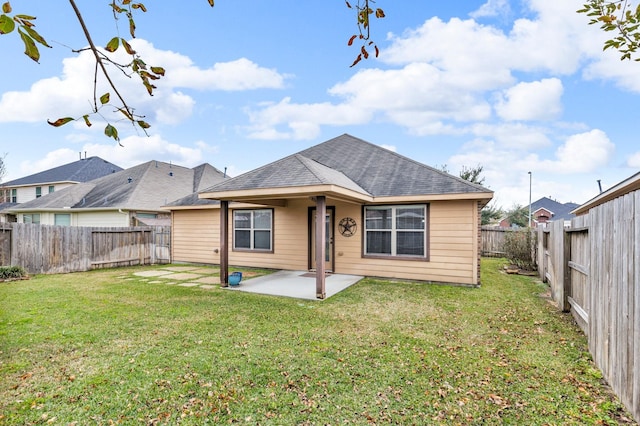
x=355, y=164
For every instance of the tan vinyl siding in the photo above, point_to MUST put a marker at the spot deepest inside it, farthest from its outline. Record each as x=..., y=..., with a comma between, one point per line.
x=196, y=236
x=452, y=242
x=290, y=242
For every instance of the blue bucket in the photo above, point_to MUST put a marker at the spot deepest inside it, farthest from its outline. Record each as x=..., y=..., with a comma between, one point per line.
x=235, y=278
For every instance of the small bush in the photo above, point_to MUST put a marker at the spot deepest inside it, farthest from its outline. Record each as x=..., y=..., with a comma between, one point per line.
x=12, y=272
x=520, y=249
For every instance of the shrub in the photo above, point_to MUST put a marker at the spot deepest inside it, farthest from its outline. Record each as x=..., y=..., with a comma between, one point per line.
x=12, y=272
x=520, y=248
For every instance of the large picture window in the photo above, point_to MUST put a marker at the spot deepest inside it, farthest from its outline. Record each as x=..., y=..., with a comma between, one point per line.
x=396, y=230
x=252, y=229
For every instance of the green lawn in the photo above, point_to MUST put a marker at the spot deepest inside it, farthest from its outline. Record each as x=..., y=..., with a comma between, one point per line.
x=108, y=347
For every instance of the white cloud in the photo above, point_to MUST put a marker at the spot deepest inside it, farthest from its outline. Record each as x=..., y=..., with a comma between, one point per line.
x=71, y=94
x=134, y=150
x=538, y=100
x=492, y=8
x=582, y=153
x=634, y=160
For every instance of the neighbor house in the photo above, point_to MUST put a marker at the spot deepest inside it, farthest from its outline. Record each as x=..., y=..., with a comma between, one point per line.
x=548, y=210
x=129, y=197
x=36, y=185
x=343, y=206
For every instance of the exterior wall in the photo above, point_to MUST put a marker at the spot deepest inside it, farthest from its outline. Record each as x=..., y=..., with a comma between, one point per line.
x=452, y=242
x=28, y=193
x=105, y=218
x=195, y=236
x=453, y=229
x=291, y=239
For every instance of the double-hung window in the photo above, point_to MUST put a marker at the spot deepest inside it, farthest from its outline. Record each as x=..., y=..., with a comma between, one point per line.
x=38, y=191
x=253, y=229
x=396, y=231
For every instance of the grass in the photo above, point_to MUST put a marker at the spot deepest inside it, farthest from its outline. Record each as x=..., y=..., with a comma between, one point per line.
x=107, y=347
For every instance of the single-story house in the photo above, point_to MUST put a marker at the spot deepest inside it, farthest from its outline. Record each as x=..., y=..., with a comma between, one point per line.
x=130, y=197
x=344, y=206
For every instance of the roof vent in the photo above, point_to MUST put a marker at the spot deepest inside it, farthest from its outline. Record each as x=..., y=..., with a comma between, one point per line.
x=170, y=173
x=129, y=179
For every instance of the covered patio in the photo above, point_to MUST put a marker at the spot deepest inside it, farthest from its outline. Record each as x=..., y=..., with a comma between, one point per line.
x=296, y=284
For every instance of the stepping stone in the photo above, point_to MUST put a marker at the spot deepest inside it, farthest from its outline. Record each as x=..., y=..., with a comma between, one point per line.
x=180, y=268
x=183, y=276
x=206, y=271
x=209, y=280
x=188, y=284
x=208, y=287
x=150, y=273
x=156, y=282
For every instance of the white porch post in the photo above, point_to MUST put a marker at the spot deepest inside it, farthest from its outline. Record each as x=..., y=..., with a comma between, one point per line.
x=321, y=232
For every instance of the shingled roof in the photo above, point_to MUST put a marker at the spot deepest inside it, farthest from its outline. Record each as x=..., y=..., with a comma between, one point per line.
x=79, y=171
x=147, y=186
x=355, y=165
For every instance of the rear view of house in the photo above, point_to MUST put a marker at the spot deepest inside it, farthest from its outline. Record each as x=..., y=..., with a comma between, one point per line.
x=344, y=206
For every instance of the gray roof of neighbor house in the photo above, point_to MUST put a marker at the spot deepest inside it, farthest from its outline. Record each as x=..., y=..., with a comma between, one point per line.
x=79, y=171
x=147, y=187
x=353, y=164
x=561, y=211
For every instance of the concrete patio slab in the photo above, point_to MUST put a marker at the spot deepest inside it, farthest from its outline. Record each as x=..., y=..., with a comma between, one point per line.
x=296, y=284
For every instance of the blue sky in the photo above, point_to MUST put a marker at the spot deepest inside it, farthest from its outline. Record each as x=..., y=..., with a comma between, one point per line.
x=514, y=86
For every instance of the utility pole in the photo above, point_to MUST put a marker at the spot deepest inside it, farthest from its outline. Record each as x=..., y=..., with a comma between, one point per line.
x=529, y=199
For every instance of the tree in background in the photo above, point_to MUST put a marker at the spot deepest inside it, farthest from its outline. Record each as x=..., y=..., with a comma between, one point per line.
x=491, y=213
x=621, y=17
x=472, y=174
x=518, y=215
x=3, y=167
x=23, y=25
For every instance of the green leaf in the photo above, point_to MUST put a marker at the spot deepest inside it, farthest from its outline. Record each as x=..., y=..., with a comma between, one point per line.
x=6, y=7
x=34, y=35
x=6, y=24
x=113, y=45
x=60, y=121
x=30, y=48
x=86, y=120
x=111, y=132
x=143, y=124
x=104, y=99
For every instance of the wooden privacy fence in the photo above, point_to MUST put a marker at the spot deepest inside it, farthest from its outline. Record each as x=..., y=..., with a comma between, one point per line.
x=45, y=249
x=492, y=241
x=593, y=269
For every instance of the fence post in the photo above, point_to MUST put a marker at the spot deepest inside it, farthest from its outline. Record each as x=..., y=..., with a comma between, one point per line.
x=566, y=276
